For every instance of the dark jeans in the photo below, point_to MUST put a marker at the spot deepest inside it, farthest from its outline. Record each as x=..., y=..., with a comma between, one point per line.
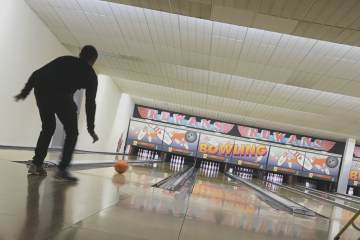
x=66, y=110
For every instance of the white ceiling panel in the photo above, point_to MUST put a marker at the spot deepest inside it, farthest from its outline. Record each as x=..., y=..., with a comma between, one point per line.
x=95, y=7
x=225, y=47
x=195, y=34
x=75, y=20
x=48, y=13
x=164, y=28
x=104, y=25
x=66, y=37
x=65, y=4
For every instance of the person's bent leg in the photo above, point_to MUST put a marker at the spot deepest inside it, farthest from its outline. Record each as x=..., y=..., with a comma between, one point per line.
x=68, y=150
x=68, y=116
x=47, y=131
x=48, y=121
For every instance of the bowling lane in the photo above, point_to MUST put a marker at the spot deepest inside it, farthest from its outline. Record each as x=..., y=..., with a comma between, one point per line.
x=221, y=209
x=103, y=205
x=141, y=212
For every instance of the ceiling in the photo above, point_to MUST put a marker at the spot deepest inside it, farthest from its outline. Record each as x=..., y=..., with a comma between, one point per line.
x=212, y=61
x=329, y=20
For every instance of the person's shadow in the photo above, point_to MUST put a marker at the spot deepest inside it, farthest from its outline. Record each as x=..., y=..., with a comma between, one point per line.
x=44, y=212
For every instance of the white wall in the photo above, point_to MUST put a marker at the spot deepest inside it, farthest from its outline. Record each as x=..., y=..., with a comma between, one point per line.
x=113, y=113
x=121, y=123
x=25, y=45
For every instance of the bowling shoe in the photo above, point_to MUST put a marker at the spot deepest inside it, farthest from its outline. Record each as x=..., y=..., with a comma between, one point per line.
x=65, y=176
x=36, y=170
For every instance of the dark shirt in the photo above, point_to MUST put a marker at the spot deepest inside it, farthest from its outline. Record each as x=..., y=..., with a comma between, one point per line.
x=64, y=76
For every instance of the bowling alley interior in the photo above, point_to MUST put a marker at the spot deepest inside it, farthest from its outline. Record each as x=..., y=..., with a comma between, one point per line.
x=217, y=119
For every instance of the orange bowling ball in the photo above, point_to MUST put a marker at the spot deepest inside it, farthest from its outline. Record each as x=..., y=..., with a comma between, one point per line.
x=121, y=166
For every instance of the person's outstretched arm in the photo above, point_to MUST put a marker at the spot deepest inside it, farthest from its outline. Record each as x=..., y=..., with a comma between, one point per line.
x=28, y=87
x=90, y=106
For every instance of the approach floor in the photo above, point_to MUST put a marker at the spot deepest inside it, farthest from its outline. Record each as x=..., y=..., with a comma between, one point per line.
x=105, y=205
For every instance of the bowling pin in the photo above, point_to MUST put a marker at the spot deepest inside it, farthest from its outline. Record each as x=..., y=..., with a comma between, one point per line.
x=351, y=191
x=142, y=154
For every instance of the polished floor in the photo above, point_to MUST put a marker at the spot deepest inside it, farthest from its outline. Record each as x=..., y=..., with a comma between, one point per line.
x=105, y=205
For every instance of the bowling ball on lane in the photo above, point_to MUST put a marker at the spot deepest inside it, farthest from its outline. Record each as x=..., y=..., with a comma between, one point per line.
x=121, y=166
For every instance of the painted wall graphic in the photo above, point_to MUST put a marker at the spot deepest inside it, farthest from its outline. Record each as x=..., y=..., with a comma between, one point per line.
x=180, y=141
x=145, y=134
x=287, y=138
x=182, y=119
x=215, y=147
x=354, y=176
x=285, y=160
x=250, y=154
x=321, y=166
x=357, y=151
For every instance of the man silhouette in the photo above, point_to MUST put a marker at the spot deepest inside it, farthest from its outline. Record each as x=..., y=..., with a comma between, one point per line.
x=54, y=87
